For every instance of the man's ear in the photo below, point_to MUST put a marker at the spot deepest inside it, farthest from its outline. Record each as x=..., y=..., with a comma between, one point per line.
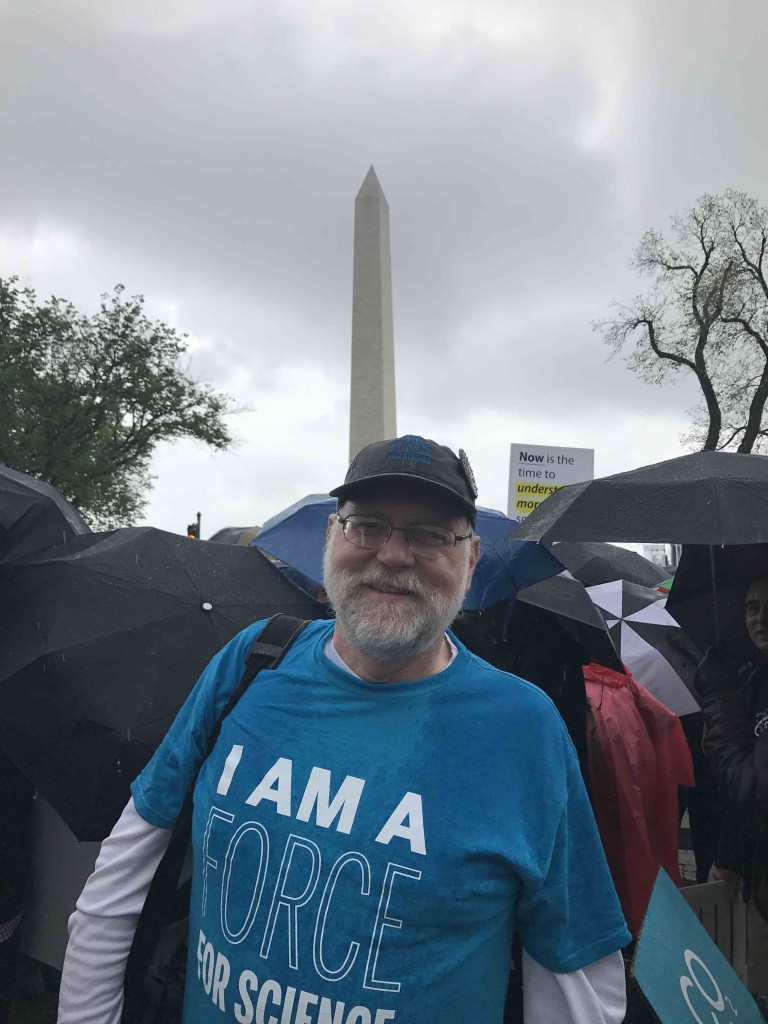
x=331, y=521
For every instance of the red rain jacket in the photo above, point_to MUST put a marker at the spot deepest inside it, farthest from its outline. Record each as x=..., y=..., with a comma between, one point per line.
x=638, y=756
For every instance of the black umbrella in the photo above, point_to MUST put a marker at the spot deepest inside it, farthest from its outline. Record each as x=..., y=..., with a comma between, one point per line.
x=593, y=562
x=705, y=498
x=705, y=617
x=33, y=516
x=101, y=642
x=571, y=605
x=235, y=535
x=650, y=642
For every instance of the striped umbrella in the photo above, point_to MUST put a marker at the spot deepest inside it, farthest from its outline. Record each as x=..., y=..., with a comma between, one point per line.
x=649, y=642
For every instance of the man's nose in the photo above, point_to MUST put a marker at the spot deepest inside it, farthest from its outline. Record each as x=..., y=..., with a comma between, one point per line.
x=396, y=554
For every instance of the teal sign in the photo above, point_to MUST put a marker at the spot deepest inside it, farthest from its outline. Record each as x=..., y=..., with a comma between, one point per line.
x=681, y=972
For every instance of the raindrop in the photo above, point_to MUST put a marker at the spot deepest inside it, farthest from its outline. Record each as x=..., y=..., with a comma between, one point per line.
x=207, y=606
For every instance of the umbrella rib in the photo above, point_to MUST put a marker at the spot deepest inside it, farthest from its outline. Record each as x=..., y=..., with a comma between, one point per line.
x=718, y=509
x=190, y=579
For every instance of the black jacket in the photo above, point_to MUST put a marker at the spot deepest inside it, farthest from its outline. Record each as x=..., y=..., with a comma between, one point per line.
x=734, y=701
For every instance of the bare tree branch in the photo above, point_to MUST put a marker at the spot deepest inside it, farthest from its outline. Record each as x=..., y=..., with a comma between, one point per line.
x=707, y=315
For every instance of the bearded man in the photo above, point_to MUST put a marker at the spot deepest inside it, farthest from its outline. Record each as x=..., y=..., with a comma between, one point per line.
x=379, y=815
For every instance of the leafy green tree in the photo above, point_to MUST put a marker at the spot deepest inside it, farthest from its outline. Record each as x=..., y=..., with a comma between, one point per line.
x=86, y=400
x=706, y=314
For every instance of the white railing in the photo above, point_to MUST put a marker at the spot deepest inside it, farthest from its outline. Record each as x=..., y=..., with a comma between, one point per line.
x=736, y=928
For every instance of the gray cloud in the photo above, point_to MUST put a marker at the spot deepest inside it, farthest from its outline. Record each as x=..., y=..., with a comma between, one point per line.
x=208, y=156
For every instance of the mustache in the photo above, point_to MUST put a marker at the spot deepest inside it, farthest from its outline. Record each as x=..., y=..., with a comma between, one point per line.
x=405, y=582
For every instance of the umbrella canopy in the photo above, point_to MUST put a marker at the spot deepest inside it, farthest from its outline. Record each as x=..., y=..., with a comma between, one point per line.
x=33, y=515
x=296, y=536
x=593, y=562
x=704, y=612
x=572, y=606
x=235, y=535
x=101, y=642
x=704, y=498
x=650, y=643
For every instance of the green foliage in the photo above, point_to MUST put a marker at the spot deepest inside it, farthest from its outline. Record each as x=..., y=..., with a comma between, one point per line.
x=706, y=314
x=86, y=400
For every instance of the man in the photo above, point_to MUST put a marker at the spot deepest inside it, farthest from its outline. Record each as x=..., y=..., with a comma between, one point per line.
x=379, y=815
x=735, y=707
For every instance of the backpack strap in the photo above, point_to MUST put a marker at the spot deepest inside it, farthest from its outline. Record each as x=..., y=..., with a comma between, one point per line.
x=266, y=652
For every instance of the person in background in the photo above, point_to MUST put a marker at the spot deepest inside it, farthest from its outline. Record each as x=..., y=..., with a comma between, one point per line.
x=734, y=702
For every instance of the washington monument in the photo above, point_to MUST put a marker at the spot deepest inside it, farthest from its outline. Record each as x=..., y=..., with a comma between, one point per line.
x=372, y=398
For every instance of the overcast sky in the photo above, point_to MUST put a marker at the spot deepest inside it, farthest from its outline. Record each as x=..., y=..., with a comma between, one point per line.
x=207, y=153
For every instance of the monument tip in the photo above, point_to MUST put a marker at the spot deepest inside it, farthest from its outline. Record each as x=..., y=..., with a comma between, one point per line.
x=371, y=186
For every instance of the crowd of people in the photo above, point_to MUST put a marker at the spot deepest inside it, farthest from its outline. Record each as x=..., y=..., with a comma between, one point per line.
x=384, y=811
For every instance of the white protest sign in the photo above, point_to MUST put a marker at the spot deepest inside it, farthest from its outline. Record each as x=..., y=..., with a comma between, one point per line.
x=537, y=470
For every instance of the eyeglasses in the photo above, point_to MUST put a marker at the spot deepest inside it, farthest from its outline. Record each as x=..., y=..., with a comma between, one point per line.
x=373, y=532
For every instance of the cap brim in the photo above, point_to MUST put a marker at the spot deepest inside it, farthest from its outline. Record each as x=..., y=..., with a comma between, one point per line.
x=345, y=490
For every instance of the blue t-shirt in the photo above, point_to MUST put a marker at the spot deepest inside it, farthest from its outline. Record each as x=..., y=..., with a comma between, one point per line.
x=363, y=852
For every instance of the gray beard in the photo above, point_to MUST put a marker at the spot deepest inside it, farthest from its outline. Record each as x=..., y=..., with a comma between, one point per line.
x=390, y=633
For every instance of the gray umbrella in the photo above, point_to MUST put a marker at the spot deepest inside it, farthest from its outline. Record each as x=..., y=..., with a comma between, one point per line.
x=593, y=562
x=571, y=605
x=704, y=498
x=33, y=516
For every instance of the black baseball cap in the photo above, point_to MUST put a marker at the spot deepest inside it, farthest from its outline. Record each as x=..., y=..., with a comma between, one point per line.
x=413, y=458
